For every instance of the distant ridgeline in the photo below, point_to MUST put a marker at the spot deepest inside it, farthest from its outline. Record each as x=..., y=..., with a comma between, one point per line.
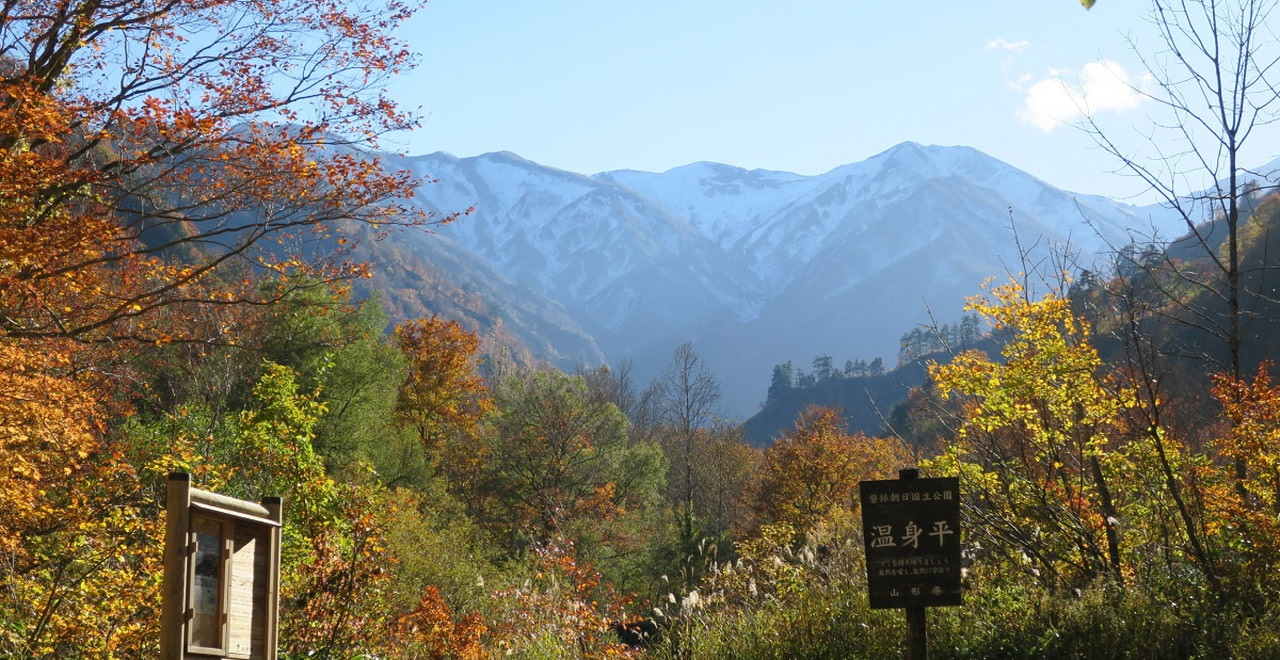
x=964, y=335
x=788, y=377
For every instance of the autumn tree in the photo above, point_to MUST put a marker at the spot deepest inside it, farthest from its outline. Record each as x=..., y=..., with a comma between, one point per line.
x=811, y=473
x=1039, y=448
x=431, y=631
x=135, y=134
x=157, y=160
x=75, y=524
x=1245, y=520
x=1214, y=87
x=565, y=610
x=556, y=464
x=724, y=467
x=443, y=392
x=686, y=395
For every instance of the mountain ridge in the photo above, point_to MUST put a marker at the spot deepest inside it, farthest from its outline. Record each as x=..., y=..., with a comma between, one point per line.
x=757, y=267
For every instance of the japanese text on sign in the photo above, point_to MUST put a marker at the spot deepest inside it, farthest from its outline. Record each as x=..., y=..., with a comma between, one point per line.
x=912, y=532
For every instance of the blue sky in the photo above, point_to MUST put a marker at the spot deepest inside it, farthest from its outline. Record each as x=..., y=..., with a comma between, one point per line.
x=802, y=86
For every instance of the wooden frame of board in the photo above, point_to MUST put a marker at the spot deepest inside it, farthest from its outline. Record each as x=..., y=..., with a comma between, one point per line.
x=221, y=575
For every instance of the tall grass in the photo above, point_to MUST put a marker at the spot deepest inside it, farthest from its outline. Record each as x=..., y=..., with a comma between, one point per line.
x=810, y=602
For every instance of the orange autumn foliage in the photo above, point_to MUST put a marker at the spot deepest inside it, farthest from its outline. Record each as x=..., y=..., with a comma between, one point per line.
x=431, y=632
x=133, y=134
x=1253, y=410
x=1244, y=515
x=78, y=554
x=156, y=159
x=811, y=474
x=442, y=394
x=48, y=431
x=336, y=600
x=566, y=601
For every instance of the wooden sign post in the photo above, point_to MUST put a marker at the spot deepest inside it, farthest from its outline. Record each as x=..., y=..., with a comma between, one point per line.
x=221, y=575
x=911, y=528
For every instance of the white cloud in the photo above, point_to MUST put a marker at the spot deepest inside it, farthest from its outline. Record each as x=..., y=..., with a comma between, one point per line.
x=1004, y=44
x=1063, y=97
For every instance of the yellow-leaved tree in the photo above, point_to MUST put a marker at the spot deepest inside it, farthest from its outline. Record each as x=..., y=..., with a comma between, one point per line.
x=1041, y=450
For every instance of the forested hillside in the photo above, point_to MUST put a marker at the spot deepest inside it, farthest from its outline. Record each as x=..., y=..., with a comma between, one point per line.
x=181, y=226
x=863, y=391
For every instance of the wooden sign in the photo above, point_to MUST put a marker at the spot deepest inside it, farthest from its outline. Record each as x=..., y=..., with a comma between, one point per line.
x=911, y=529
x=221, y=576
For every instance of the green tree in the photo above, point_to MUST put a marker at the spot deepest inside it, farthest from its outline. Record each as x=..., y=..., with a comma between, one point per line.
x=823, y=368
x=340, y=349
x=782, y=381
x=555, y=462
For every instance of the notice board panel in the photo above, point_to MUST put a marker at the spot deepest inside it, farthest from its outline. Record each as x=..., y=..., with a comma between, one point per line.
x=221, y=575
x=911, y=529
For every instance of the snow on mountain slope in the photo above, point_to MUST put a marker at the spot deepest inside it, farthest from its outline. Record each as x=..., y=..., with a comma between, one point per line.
x=851, y=206
x=720, y=201
x=619, y=262
x=739, y=260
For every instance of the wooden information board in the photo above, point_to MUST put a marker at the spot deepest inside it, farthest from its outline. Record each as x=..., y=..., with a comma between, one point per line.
x=221, y=576
x=911, y=528
x=250, y=576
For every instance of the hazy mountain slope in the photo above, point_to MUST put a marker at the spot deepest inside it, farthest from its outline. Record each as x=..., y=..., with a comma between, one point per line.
x=756, y=267
x=420, y=274
x=722, y=202
x=865, y=403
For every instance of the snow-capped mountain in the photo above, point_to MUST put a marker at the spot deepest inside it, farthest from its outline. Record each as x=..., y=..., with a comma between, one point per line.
x=760, y=267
